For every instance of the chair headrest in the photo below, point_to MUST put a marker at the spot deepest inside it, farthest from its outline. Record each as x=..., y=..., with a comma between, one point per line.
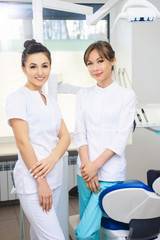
x=126, y=201
x=129, y=184
x=156, y=186
x=152, y=175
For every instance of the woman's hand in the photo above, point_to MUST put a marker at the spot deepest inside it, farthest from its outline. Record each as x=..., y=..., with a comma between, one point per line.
x=44, y=194
x=83, y=164
x=93, y=185
x=89, y=171
x=43, y=167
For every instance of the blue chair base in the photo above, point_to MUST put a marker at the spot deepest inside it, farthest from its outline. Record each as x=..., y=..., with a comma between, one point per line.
x=113, y=230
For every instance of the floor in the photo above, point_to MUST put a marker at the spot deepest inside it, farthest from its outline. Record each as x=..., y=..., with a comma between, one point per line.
x=9, y=218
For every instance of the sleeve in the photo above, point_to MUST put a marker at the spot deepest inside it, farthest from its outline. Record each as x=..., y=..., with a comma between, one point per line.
x=59, y=111
x=16, y=107
x=56, y=105
x=80, y=135
x=126, y=118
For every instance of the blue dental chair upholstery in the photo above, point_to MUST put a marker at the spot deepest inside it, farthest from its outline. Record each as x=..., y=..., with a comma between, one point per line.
x=132, y=209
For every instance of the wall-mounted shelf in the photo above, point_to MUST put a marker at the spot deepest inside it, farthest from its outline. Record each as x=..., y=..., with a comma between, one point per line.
x=152, y=112
x=147, y=115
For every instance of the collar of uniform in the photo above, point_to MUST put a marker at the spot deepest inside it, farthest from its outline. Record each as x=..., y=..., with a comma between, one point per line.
x=108, y=88
x=33, y=91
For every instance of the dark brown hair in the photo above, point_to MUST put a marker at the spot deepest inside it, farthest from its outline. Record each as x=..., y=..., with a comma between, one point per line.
x=31, y=47
x=104, y=49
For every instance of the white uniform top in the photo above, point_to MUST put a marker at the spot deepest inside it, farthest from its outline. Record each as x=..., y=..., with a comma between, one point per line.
x=44, y=125
x=104, y=118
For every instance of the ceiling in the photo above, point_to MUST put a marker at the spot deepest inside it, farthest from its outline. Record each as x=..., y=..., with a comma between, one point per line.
x=71, y=1
x=154, y=2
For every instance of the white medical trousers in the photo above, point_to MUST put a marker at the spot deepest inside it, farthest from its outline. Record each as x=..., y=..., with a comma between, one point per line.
x=43, y=226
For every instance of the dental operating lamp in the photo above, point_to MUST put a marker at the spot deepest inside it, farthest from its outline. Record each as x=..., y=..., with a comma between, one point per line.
x=138, y=11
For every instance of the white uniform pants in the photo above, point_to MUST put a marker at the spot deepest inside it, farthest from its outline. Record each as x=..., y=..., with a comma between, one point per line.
x=43, y=226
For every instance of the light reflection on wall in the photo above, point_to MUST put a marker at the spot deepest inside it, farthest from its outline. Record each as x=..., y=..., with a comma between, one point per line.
x=4, y=26
x=10, y=29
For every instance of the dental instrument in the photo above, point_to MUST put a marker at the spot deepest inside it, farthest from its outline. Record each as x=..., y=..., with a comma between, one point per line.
x=119, y=78
x=142, y=109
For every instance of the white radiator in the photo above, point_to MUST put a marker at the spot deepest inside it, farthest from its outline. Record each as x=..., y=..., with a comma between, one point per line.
x=6, y=184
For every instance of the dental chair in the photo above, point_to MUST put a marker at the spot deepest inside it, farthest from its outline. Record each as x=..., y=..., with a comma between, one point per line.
x=131, y=209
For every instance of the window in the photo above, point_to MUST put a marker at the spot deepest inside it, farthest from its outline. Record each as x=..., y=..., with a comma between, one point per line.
x=65, y=34
x=14, y=28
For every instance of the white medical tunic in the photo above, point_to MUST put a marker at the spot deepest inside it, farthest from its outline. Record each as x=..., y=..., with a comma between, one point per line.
x=44, y=124
x=104, y=119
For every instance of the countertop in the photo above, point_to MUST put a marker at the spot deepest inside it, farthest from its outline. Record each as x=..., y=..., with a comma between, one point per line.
x=8, y=147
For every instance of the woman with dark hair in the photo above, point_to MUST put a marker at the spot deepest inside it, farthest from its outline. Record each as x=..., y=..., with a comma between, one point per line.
x=104, y=118
x=42, y=139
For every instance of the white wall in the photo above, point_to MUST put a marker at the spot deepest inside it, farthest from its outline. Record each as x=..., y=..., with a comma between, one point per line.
x=145, y=61
x=121, y=41
x=145, y=152
x=138, y=48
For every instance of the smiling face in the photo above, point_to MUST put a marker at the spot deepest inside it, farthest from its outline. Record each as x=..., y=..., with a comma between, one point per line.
x=100, y=68
x=37, y=69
